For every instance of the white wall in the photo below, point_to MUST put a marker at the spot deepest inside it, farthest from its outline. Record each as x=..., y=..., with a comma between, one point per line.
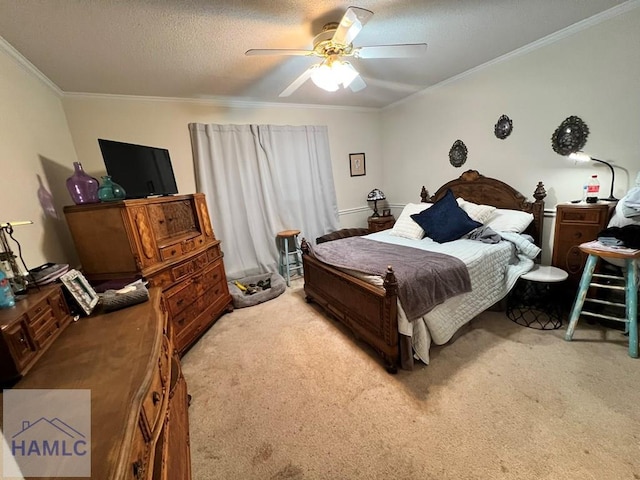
x=34, y=143
x=593, y=73
x=164, y=123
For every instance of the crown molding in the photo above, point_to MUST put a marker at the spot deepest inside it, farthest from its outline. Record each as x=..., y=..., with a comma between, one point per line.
x=543, y=42
x=229, y=102
x=28, y=66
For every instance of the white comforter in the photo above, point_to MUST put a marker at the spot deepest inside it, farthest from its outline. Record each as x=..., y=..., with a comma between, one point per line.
x=493, y=269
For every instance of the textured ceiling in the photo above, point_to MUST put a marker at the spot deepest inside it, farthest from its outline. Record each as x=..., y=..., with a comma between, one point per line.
x=195, y=48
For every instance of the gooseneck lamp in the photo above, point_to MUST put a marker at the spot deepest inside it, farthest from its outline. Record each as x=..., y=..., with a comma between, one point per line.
x=375, y=195
x=583, y=157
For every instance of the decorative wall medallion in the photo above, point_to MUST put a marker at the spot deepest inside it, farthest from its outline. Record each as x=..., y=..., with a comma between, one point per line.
x=458, y=153
x=503, y=127
x=570, y=136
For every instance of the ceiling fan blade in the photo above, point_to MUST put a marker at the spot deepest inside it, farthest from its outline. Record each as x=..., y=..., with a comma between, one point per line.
x=406, y=50
x=297, y=83
x=357, y=84
x=351, y=24
x=277, y=51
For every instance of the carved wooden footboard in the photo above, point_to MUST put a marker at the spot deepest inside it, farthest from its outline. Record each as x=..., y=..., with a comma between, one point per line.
x=371, y=312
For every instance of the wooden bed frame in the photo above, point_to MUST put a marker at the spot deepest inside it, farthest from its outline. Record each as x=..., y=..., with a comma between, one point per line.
x=370, y=311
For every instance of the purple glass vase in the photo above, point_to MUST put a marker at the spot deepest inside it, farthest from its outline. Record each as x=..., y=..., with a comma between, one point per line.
x=82, y=187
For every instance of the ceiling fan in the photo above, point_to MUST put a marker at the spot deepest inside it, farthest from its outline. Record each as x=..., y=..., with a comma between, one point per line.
x=333, y=44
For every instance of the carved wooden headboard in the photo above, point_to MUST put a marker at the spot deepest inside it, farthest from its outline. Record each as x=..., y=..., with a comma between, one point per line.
x=476, y=188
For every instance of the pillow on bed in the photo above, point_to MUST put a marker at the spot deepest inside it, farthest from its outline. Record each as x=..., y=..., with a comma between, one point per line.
x=479, y=213
x=503, y=220
x=405, y=226
x=445, y=220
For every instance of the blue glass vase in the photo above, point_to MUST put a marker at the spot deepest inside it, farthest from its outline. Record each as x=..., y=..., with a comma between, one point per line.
x=110, y=191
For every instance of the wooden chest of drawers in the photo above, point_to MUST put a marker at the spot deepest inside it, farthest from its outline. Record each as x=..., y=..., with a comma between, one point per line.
x=139, y=401
x=167, y=240
x=29, y=328
x=576, y=224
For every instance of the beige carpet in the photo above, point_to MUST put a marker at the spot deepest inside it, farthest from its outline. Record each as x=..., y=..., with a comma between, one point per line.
x=281, y=391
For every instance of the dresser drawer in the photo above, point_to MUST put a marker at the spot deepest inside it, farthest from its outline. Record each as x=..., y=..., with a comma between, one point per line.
x=212, y=276
x=180, y=297
x=185, y=318
x=193, y=244
x=47, y=326
x=155, y=398
x=214, y=253
x=171, y=252
x=139, y=459
x=35, y=312
x=183, y=270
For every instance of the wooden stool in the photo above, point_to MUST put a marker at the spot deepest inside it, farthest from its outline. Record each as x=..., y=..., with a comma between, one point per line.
x=630, y=287
x=289, y=247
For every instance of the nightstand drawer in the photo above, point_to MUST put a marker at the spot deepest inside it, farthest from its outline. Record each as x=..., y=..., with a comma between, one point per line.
x=592, y=216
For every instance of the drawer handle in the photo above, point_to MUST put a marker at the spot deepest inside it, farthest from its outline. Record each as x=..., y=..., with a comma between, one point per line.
x=173, y=252
x=138, y=469
x=156, y=398
x=22, y=339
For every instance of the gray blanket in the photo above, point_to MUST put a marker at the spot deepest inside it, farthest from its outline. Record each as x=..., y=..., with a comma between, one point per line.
x=425, y=279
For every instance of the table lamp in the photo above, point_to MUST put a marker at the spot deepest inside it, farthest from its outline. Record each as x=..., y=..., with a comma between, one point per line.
x=375, y=195
x=583, y=157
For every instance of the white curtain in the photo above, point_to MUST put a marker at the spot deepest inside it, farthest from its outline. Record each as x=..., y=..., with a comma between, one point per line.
x=260, y=180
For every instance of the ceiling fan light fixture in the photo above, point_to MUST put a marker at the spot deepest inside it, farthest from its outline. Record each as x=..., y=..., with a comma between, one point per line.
x=324, y=77
x=344, y=72
x=331, y=74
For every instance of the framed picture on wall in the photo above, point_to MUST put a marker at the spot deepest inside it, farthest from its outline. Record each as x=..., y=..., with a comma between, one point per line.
x=356, y=164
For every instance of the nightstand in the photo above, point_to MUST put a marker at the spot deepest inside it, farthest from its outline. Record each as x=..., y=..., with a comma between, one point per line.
x=576, y=224
x=377, y=224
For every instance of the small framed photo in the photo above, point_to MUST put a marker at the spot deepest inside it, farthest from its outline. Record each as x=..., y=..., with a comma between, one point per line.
x=356, y=163
x=386, y=212
x=80, y=289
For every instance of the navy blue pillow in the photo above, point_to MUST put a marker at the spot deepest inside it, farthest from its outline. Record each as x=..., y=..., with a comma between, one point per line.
x=445, y=220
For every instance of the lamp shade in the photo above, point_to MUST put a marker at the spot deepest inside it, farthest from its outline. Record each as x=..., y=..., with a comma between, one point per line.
x=375, y=194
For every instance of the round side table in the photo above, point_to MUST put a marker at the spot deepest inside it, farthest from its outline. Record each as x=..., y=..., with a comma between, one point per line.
x=535, y=300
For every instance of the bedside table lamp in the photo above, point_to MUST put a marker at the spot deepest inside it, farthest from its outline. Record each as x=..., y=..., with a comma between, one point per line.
x=583, y=157
x=375, y=195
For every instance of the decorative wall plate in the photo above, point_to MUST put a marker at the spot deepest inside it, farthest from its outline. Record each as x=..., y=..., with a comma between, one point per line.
x=570, y=136
x=503, y=127
x=458, y=153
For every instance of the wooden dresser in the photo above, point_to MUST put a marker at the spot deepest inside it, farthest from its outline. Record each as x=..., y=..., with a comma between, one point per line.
x=29, y=329
x=167, y=240
x=576, y=224
x=139, y=402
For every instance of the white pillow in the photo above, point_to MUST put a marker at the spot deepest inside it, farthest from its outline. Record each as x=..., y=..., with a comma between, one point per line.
x=503, y=220
x=405, y=226
x=479, y=213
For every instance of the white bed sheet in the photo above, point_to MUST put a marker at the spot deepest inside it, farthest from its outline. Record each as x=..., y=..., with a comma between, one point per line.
x=493, y=273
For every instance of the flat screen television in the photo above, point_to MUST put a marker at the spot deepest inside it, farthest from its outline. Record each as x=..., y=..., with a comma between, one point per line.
x=142, y=171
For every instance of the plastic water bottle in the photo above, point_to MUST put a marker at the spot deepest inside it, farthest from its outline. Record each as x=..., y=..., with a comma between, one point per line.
x=593, y=189
x=7, y=300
